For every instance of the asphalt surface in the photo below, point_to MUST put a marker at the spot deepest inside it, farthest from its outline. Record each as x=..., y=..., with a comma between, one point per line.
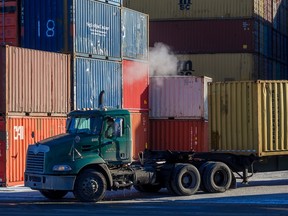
x=266, y=194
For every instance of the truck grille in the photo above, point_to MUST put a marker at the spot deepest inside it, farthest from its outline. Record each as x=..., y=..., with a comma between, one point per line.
x=35, y=162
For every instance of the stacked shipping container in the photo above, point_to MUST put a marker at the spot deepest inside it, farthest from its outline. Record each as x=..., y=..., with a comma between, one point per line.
x=179, y=113
x=35, y=97
x=194, y=29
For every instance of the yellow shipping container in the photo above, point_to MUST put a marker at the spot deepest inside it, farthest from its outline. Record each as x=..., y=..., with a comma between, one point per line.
x=221, y=66
x=194, y=9
x=249, y=117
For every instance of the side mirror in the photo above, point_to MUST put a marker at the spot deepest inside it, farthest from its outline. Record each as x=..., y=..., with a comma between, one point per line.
x=33, y=134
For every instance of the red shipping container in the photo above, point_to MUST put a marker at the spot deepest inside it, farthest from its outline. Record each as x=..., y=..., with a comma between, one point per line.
x=135, y=85
x=15, y=136
x=178, y=135
x=204, y=36
x=9, y=23
x=139, y=132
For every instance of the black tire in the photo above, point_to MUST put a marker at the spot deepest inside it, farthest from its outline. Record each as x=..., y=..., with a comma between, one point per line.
x=202, y=171
x=148, y=188
x=185, y=180
x=170, y=188
x=53, y=194
x=217, y=177
x=90, y=186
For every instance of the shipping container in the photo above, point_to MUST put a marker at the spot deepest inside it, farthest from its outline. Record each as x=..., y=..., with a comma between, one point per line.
x=34, y=81
x=193, y=9
x=178, y=135
x=9, y=28
x=229, y=66
x=249, y=117
x=82, y=27
x=178, y=97
x=134, y=34
x=16, y=136
x=135, y=85
x=139, y=132
x=91, y=76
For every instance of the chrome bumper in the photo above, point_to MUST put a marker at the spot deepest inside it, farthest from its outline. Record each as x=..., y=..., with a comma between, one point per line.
x=48, y=182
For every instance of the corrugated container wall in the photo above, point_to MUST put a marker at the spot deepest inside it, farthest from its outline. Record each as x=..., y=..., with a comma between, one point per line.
x=135, y=85
x=249, y=117
x=34, y=81
x=91, y=76
x=139, y=132
x=192, y=9
x=236, y=36
x=231, y=66
x=86, y=27
x=178, y=135
x=134, y=34
x=9, y=23
x=178, y=97
x=16, y=136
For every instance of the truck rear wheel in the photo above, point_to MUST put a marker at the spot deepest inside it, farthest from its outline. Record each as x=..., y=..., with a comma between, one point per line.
x=90, y=186
x=185, y=179
x=217, y=177
x=53, y=194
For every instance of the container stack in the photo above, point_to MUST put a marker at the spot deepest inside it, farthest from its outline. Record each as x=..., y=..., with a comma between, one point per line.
x=179, y=113
x=225, y=40
x=35, y=97
x=108, y=45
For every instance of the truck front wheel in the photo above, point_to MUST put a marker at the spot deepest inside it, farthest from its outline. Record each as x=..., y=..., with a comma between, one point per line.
x=53, y=194
x=90, y=186
x=185, y=180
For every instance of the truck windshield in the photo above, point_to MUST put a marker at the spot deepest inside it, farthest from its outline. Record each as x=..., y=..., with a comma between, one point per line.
x=89, y=125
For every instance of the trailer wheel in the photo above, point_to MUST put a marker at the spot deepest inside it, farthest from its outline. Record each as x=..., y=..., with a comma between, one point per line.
x=185, y=179
x=53, y=194
x=148, y=188
x=90, y=186
x=217, y=177
x=202, y=171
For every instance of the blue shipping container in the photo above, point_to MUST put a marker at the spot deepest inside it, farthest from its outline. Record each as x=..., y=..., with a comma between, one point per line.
x=91, y=76
x=134, y=34
x=82, y=27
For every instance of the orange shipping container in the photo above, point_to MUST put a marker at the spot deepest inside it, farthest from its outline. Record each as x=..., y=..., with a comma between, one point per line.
x=178, y=135
x=34, y=81
x=139, y=131
x=15, y=136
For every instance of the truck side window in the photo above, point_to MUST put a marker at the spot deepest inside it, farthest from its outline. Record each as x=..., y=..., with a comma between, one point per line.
x=114, y=127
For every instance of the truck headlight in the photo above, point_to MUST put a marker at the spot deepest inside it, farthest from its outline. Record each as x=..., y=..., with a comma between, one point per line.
x=62, y=168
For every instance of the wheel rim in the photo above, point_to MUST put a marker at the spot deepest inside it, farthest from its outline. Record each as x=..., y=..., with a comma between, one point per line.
x=187, y=180
x=219, y=178
x=90, y=186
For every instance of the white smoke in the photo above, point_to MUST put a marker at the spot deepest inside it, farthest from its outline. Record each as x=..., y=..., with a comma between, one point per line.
x=162, y=60
x=136, y=71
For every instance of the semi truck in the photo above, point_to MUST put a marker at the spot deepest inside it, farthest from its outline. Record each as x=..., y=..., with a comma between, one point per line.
x=87, y=162
x=248, y=133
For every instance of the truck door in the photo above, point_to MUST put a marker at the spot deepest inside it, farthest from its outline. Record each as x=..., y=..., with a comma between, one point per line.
x=115, y=142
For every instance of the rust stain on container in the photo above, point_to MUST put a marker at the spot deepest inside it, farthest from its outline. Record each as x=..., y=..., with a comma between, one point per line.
x=178, y=135
x=15, y=139
x=249, y=117
x=34, y=81
x=135, y=85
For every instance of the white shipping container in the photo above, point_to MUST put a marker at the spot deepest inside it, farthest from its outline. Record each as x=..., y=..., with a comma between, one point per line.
x=178, y=97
